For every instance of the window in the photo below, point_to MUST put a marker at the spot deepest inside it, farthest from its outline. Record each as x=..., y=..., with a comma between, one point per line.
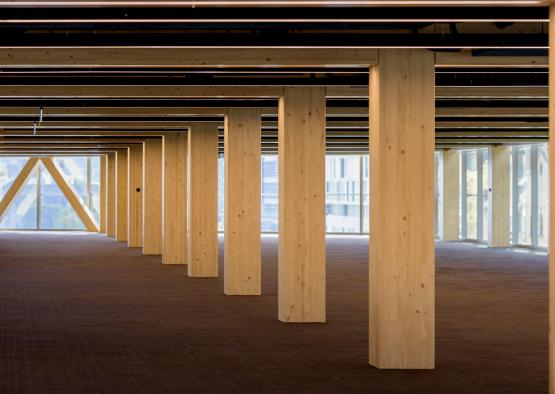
x=474, y=187
x=40, y=204
x=529, y=195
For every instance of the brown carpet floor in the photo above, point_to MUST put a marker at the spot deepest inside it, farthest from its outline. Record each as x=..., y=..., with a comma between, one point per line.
x=85, y=314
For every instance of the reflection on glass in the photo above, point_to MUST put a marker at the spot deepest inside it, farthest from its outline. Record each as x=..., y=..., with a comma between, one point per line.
x=10, y=167
x=543, y=196
x=524, y=194
x=56, y=213
x=22, y=212
x=269, y=190
x=485, y=194
x=471, y=194
x=221, y=191
x=342, y=194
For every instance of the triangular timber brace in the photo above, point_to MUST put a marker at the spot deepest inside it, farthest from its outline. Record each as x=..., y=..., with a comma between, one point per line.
x=52, y=167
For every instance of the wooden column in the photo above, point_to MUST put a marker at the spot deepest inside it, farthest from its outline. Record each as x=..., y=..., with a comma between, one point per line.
x=202, y=209
x=111, y=195
x=174, y=187
x=121, y=194
x=103, y=179
x=152, y=196
x=500, y=197
x=450, y=195
x=135, y=197
x=302, y=245
x=401, y=272
x=551, y=246
x=242, y=150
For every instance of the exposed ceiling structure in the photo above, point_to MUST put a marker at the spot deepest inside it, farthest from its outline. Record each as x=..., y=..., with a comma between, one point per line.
x=82, y=72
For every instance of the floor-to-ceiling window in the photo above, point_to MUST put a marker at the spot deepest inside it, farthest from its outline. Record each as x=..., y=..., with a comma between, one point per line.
x=40, y=204
x=346, y=187
x=529, y=195
x=474, y=188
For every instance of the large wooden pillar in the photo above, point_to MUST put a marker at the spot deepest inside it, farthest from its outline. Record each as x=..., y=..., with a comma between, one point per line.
x=242, y=259
x=111, y=195
x=135, y=197
x=103, y=183
x=174, y=197
x=551, y=159
x=121, y=194
x=302, y=245
x=401, y=272
x=499, y=204
x=202, y=209
x=451, y=195
x=152, y=196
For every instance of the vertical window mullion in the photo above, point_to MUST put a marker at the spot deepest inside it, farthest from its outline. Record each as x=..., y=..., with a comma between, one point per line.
x=37, y=222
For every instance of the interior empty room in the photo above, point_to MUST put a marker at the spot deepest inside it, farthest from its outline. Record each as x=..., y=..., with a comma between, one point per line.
x=250, y=196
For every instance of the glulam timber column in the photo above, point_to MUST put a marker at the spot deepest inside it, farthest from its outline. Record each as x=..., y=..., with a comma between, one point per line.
x=500, y=207
x=401, y=271
x=122, y=182
x=202, y=209
x=103, y=183
x=135, y=197
x=551, y=160
x=302, y=244
x=451, y=198
x=174, y=198
x=242, y=150
x=152, y=196
x=111, y=195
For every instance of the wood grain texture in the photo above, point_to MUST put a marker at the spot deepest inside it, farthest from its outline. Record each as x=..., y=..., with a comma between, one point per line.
x=174, y=197
x=302, y=247
x=135, y=196
x=103, y=180
x=111, y=195
x=78, y=205
x=451, y=197
x=202, y=210
x=122, y=188
x=401, y=272
x=500, y=196
x=242, y=258
x=152, y=196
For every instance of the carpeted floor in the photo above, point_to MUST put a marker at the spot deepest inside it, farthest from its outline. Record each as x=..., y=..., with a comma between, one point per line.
x=85, y=314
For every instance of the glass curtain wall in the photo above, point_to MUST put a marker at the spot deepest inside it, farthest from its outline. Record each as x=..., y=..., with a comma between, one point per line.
x=344, y=176
x=41, y=205
x=529, y=195
x=474, y=198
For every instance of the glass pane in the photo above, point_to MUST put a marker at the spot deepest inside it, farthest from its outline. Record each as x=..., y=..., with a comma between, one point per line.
x=366, y=193
x=22, y=213
x=55, y=211
x=471, y=194
x=343, y=194
x=269, y=185
x=95, y=187
x=524, y=195
x=485, y=194
x=437, y=191
x=74, y=170
x=221, y=191
x=10, y=167
x=543, y=196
